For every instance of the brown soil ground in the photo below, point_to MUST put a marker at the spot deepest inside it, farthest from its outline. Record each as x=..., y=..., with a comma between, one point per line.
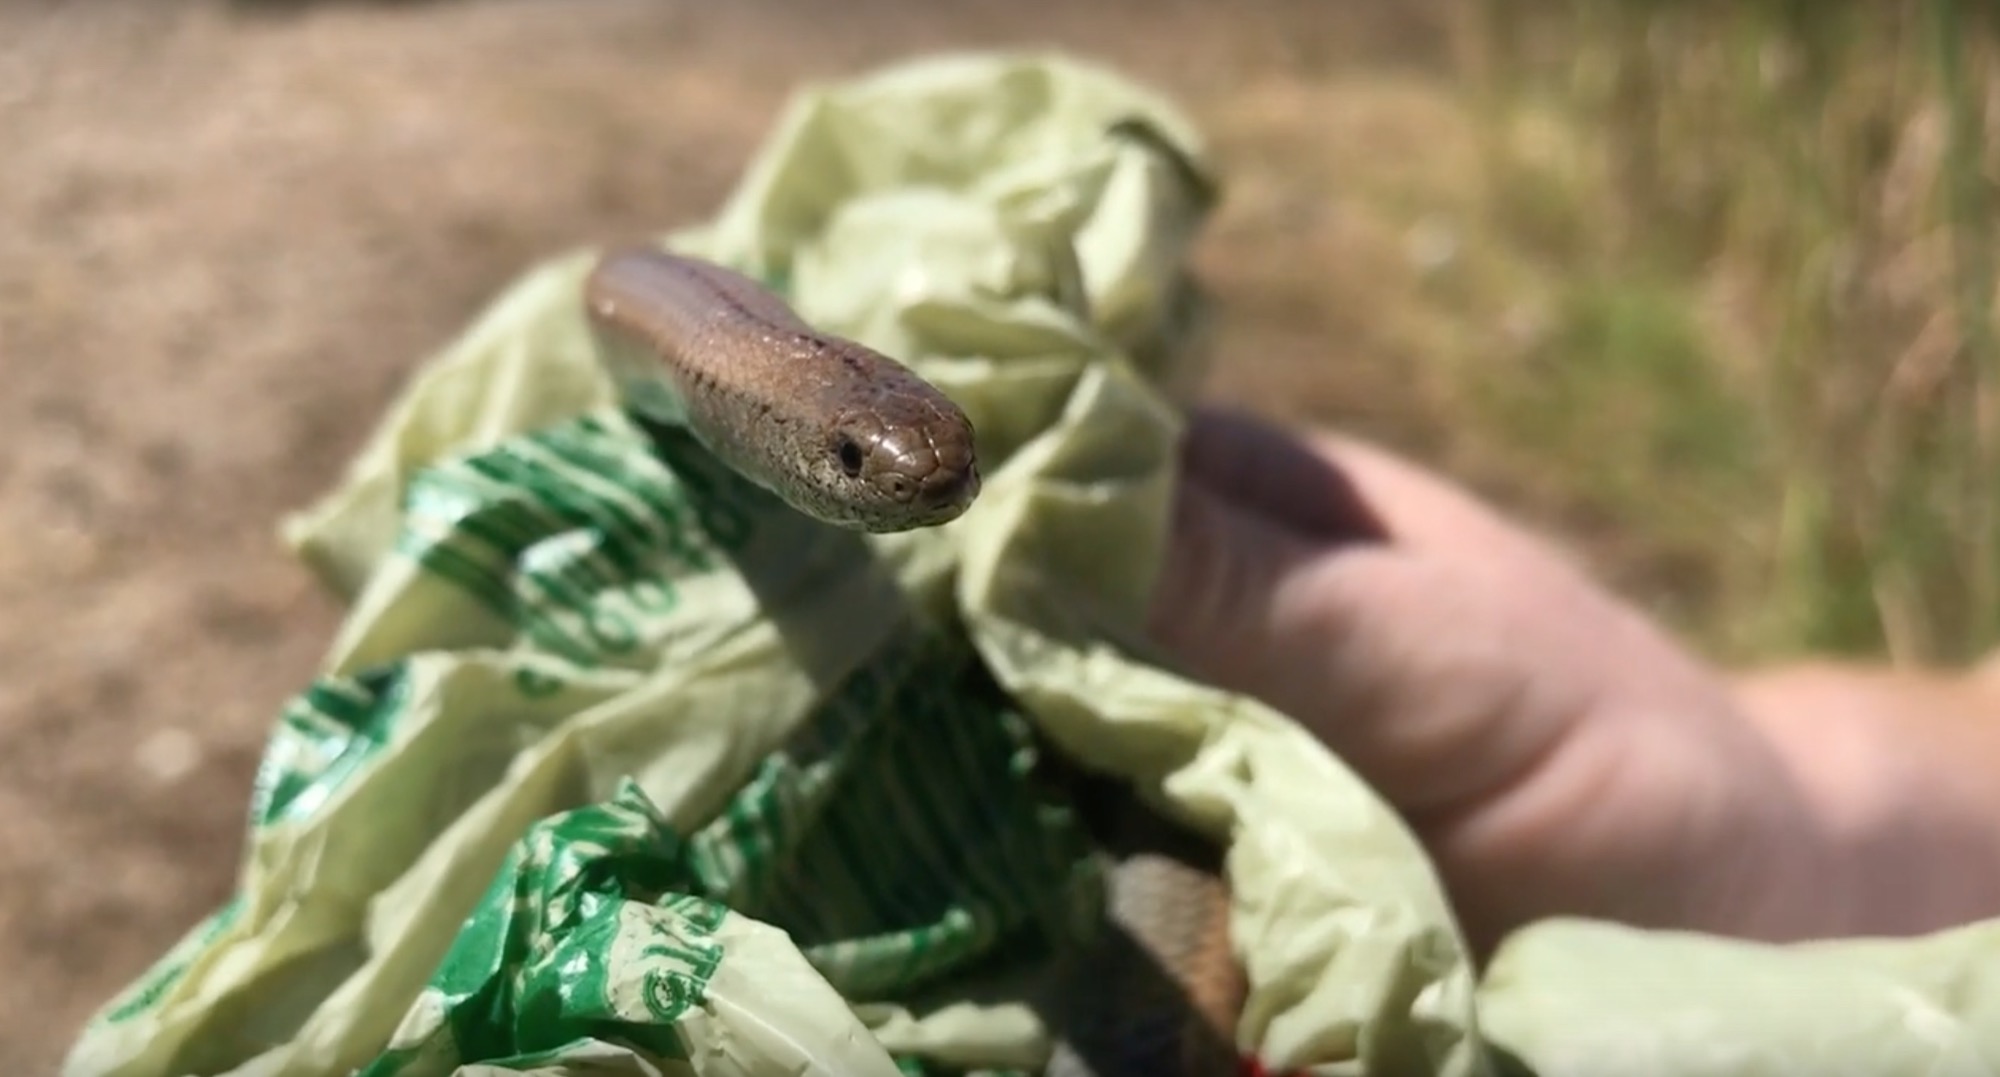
x=227, y=235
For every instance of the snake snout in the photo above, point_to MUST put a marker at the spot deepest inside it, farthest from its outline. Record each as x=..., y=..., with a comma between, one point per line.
x=905, y=466
x=948, y=488
x=905, y=462
x=930, y=478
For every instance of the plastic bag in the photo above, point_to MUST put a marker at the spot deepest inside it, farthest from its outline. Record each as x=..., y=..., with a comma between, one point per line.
x=602, y=712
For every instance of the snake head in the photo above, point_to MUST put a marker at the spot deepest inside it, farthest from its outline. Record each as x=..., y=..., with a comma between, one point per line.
x=908, y=462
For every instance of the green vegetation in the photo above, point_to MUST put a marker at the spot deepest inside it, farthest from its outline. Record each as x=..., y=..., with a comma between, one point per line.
x=1759, y=238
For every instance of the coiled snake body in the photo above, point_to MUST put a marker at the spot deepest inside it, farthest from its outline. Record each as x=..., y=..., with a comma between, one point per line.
x=853, y=438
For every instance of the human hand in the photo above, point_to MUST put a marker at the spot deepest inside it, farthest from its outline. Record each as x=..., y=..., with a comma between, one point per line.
x=1555, y=751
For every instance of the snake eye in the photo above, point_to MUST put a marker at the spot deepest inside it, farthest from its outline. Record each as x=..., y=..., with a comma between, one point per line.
x=849, y=452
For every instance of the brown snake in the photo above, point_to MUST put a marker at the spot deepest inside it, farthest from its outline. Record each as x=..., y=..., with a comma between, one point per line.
x=839, y=431
x=851, y=437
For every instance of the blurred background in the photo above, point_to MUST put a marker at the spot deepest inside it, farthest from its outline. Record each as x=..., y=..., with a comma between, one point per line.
x=1704, y=289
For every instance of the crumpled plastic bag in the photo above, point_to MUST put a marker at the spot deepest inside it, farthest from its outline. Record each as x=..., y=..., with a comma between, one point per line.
x=1577, y=998
x=603, y=716
x=602, y=713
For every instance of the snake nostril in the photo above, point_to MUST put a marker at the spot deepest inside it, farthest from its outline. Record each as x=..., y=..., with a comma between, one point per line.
x=849, y=452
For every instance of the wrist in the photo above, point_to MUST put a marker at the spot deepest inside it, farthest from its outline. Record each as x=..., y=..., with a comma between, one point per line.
x=1900, y=776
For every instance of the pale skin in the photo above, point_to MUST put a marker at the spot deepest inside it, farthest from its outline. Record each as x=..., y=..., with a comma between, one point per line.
x=1556, y=751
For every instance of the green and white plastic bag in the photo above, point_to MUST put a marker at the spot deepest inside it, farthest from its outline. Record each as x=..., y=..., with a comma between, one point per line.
x=618, y=767
x=603, y=714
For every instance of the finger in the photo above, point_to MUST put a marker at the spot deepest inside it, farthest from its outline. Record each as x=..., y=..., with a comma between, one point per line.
x=1277, y=475
x=1329, y=488
x=1407, y=666
x=1211, y=605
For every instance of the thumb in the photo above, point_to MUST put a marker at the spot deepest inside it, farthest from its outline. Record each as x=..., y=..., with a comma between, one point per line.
x=1408, y=670
x=1211, y=606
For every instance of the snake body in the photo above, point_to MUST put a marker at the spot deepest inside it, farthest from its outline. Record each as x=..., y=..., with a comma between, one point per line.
x=1159, y=990
x=853, y=438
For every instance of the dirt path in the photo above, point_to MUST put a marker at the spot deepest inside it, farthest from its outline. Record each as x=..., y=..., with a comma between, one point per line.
x=228, y=238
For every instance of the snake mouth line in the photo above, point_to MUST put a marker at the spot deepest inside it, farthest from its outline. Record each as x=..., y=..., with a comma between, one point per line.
x=954, y=491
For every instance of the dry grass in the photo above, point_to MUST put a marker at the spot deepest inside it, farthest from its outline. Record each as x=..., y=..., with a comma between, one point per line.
x=1747, y=249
